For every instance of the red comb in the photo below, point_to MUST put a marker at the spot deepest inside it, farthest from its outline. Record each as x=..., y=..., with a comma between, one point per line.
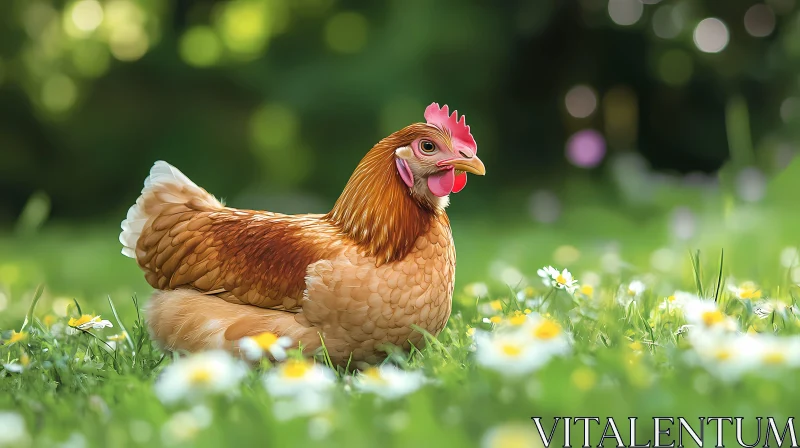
x=440, y=116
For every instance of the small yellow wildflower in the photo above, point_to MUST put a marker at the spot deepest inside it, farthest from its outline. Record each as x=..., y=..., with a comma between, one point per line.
x=49, y=320
x=496, y=319
x=496, y=305
x=635, y=346
x=17, y=337
x=587, y=290
x=118, y=337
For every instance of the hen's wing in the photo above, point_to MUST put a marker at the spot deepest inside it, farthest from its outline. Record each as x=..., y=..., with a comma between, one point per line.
x=182, y=237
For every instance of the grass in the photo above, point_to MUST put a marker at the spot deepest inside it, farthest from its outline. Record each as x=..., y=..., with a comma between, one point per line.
x=627, y=356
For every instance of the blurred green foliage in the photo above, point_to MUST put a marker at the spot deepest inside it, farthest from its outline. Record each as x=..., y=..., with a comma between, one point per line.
x=273, y=102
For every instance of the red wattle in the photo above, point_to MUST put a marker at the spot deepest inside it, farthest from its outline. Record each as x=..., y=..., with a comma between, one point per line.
x=461, y=182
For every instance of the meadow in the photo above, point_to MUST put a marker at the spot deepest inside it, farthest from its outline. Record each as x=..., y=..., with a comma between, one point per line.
x=679, y=300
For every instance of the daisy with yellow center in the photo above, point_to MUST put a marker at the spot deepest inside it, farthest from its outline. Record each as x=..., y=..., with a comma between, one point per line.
x=509, y=353
x=89, y=322
x=547, y=334
x=255, y=347
x=745, y=291
x=561, y=280
x=677, y=301
x=296, y=375
x=725, y=355
x=705, y=315
x=774, y=351
x=300, y=388
x=198, y=375
x=389, y=382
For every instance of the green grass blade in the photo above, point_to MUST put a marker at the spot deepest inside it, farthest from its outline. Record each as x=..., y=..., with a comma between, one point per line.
x=29, y=316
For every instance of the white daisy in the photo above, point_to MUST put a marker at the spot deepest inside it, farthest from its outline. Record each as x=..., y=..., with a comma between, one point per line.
x=677, y=301
x=510, y=353
x=745, y=291
x=773, y=351
x=726, y=356
x=89, y=322
x=295, y=376
x=764, y=308
x=561, y=280
x=200, y=374
x=705, y=315
x=631, y=292
x=255, y=347
x=546, y=334
x=300, y=387
x=389, y=382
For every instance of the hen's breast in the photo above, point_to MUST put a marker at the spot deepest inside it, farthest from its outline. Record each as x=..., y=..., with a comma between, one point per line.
x=359, y=306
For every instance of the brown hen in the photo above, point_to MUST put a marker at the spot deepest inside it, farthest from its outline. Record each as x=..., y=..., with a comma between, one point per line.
x=356, y=278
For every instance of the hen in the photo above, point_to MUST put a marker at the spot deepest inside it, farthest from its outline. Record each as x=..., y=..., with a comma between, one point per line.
x=357, y=278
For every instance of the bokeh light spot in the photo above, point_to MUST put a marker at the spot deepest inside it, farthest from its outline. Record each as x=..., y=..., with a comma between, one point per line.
x=667, y=22
x=711, y=35
x=664, y=259
x=751, y=184
x=789, y=108
x=544, y=206
x=683, y=223
x=566, y=255
x=128, y=42
x=621, y=114
x=244, y=27
x=625, y=12
x=90, y=58
x=200, y=46
x=586, y=148
x=346, y=32
x=87, y=15
x=58, y=93
x=759, y=20
x=273, y=125
x=581, y=101
x=675, y=67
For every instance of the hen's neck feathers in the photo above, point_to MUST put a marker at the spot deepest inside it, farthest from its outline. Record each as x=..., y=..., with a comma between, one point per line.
x=377, y=210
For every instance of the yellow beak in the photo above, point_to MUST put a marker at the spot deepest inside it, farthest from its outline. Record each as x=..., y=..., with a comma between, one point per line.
x=471, y=165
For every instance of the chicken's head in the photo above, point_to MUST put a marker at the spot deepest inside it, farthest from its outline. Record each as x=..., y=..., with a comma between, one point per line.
x=438, y=155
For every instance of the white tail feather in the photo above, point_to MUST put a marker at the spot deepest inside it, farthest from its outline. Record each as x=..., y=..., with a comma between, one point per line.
x=165, y=185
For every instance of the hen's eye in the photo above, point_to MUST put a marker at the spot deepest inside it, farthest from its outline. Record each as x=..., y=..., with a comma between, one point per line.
x=427, y=146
